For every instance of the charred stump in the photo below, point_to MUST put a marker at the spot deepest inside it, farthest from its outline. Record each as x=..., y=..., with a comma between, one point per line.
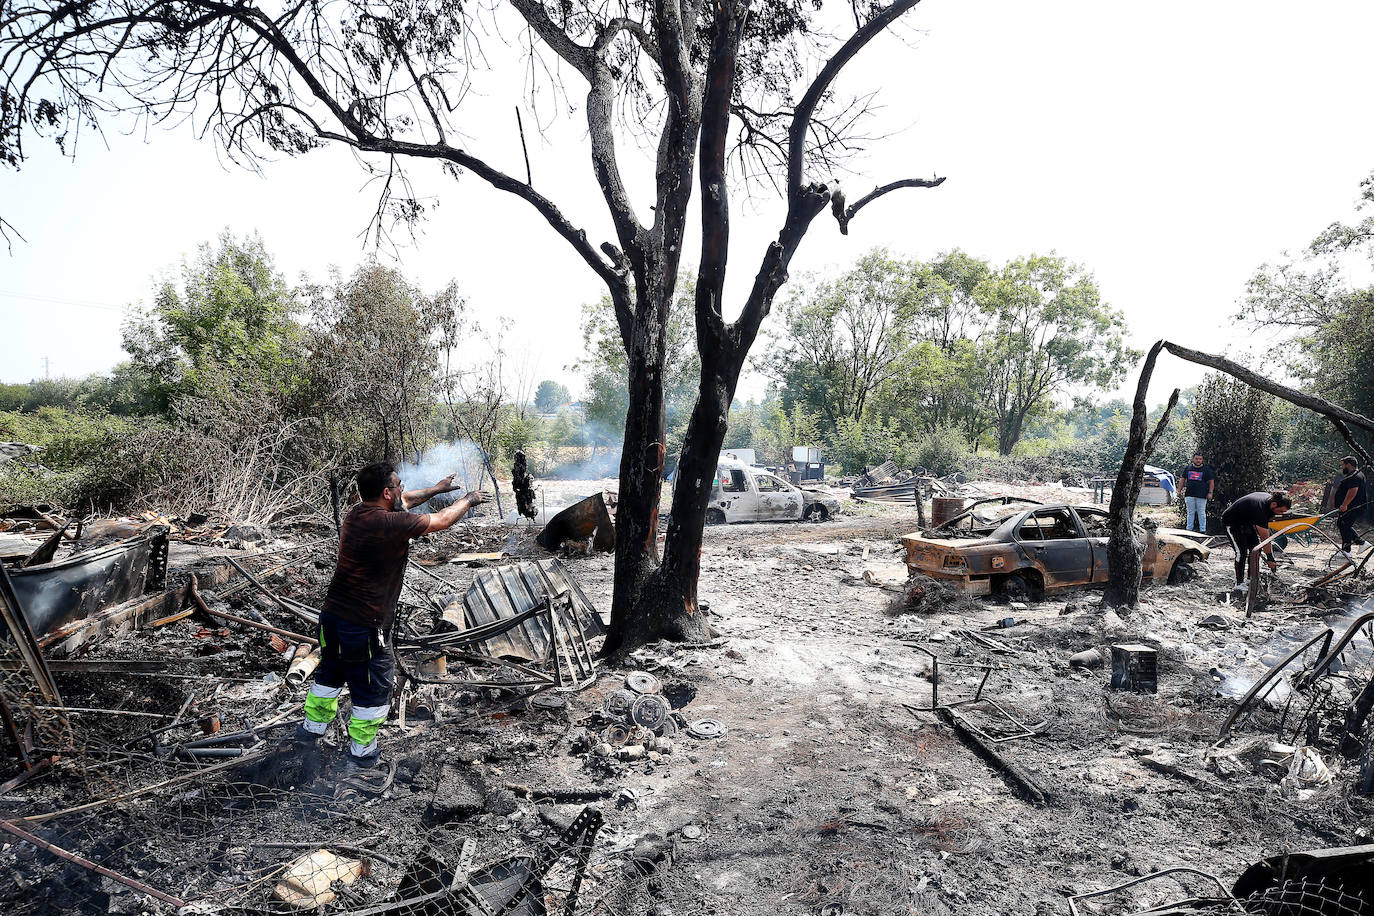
x=523, y=485
x=1125, y=553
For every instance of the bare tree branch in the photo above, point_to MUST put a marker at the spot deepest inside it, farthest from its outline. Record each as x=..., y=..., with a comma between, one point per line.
x=806, y=108
x=844, y=214
x=1255, y=380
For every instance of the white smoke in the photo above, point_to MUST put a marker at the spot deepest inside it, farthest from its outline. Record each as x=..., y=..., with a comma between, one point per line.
x=461, y=458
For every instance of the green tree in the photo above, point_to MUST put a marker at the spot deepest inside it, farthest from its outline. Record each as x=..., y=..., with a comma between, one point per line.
x=376, y=343
x=842, y=339
x=1233, y=425
x=550, y=396
x=1050, y=331
x=230, y=314
x=1319, y=299
x=939, y=384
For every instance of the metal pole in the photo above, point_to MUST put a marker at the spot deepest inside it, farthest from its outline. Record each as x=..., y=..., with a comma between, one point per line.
x=10, y=828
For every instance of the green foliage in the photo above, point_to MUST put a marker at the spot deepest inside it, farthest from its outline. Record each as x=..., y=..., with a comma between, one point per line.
x=606, y=370
x=517, y=431
x=940, y=450
x=1323, y=300
x=1308, y=448
x=550, y=396
x=857, y=445
x=940, y=382
x=950, y=344
x=1233, y=426
x=1050, y=331
x=373, y=376
x=89, y=461
x=230, y=315
x=124, y=392
x=842, y=339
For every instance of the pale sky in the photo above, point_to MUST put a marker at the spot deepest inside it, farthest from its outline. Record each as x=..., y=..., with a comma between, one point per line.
x=1170, y=148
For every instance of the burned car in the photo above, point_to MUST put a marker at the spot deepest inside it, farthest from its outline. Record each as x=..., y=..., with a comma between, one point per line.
x=743, y=493
x=1029, y=551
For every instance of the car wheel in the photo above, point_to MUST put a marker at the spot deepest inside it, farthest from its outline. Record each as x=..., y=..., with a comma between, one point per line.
x=815, y=513
x=715, y=517
x=1183, y=571
x=1017, y=587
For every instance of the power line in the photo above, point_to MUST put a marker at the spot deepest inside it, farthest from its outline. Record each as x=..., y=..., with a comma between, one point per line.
x=100, y=306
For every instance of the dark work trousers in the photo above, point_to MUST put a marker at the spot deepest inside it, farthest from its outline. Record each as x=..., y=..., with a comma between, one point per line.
x=351, y=655
x=1345, y=524
x=1243, y=540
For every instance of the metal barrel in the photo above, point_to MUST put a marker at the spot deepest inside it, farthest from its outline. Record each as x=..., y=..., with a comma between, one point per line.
x=944, y=508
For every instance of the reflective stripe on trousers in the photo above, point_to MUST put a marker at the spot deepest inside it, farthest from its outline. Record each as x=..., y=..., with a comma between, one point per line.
x=363, y=724
x=321, y=706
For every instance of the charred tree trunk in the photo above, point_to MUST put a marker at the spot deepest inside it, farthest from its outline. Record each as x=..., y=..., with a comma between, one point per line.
x=641, y=476
x=1124, y=552
x=654, y=601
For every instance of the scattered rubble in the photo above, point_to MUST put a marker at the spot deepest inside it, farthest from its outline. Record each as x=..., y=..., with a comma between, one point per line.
x=824, y=755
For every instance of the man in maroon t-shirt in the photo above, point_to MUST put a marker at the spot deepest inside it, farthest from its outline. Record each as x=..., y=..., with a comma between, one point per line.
x=373, y=546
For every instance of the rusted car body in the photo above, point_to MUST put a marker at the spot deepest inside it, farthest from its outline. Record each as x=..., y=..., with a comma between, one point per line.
x=1038, y=549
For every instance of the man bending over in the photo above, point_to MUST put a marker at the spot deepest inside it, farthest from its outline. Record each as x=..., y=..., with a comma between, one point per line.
x=1247, y=523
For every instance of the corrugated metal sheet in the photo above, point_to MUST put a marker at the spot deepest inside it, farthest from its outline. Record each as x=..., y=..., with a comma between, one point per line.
x=904, y=492
x=505, y=591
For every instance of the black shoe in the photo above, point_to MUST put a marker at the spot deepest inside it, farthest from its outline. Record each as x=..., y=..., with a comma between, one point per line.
x=366, y=762
x=306, y=738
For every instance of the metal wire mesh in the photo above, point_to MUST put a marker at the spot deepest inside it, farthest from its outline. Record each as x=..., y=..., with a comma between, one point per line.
x=1307, y=897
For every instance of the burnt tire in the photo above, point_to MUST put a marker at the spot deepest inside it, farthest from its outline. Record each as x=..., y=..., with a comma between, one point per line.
x=816, y=513
x=715, y=517
x=1183, y=570
x=1016, y=587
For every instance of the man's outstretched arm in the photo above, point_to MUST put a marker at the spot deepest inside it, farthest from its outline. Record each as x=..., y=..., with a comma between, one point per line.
x=446, y=518
x=413, y=498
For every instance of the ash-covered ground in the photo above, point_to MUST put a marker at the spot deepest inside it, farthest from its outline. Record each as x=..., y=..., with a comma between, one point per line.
x=828, y=793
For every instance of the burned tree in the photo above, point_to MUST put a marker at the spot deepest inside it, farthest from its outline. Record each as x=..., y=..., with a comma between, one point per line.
x=1339, y=417
x=1124, y=550
x=712, y=86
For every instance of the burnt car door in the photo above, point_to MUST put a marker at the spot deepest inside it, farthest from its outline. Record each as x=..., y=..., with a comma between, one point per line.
x=778, y=501
x=737, y=500
x=1094, y=523
x=1054, y=542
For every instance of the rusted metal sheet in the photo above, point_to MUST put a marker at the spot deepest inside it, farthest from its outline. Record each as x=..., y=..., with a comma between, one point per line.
x=77, y=586
x=503, y=592
x=587, y=518
x=944, y=509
